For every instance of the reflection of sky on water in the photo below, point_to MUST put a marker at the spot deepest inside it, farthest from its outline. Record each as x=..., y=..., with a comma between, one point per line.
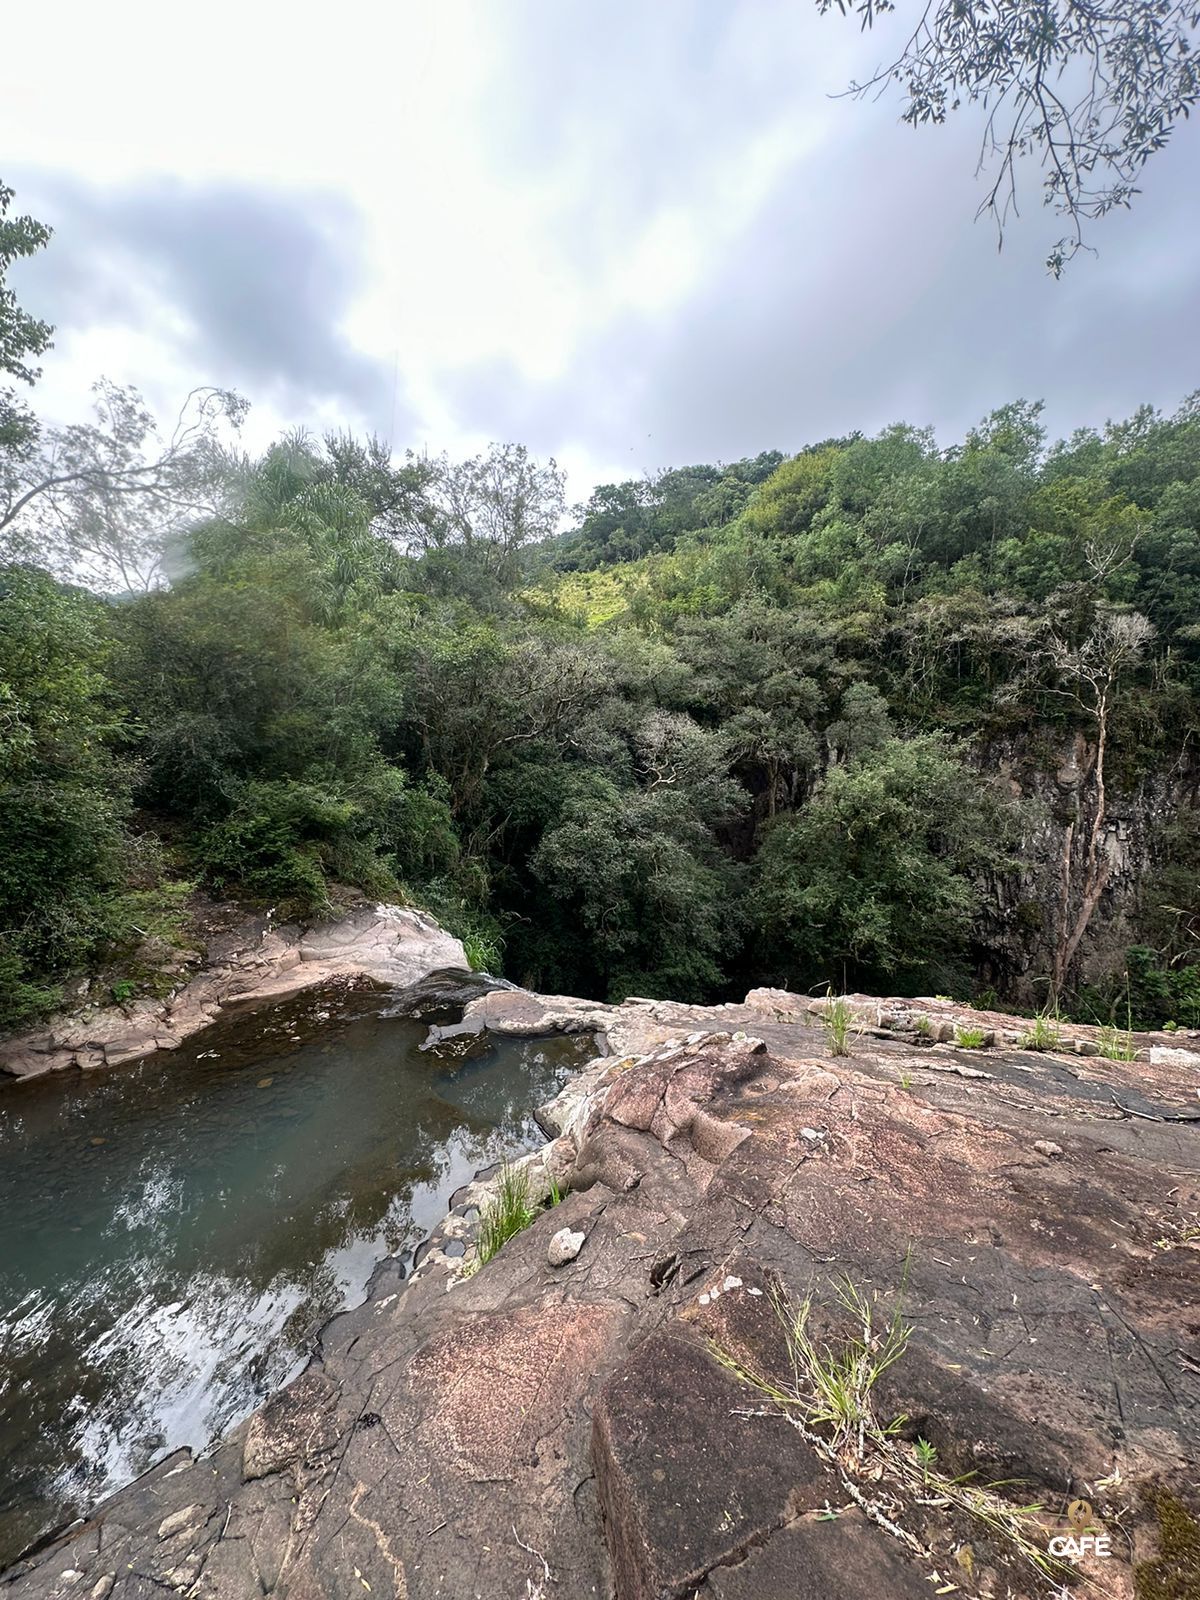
x=177, y=1231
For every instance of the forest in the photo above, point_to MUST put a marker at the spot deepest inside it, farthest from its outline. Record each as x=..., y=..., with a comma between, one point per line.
x=730, y=724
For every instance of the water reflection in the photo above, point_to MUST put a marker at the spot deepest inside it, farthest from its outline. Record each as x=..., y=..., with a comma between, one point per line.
x=175, y=1232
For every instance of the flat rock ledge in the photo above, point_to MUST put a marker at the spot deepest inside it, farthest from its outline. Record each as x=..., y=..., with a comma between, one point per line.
x=519, y=1431
x=253, y=960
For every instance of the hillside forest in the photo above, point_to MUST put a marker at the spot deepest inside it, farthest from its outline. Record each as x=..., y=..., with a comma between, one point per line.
x=872, y=712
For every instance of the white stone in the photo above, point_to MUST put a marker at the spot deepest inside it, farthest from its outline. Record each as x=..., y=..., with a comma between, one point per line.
x=564, y=1247
x=1162, y=1055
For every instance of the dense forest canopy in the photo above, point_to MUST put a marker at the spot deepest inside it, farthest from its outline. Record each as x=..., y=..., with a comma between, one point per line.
x=735, y=723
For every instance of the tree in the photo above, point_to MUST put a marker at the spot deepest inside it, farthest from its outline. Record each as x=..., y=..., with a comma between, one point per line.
x=1089, y=675
x=495, y=504
x=22, y=338
x=105, y=502
x=877, y=879
x=645, y=900
x=1090, y=91
x=63, y=795
x=477, y=699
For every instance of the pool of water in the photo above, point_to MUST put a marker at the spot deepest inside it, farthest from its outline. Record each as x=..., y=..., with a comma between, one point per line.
x=173, y=1233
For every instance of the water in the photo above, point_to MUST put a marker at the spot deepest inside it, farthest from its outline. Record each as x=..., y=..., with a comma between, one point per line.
x=173, y=1233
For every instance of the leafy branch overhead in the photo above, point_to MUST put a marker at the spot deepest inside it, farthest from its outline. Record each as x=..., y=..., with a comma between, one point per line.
x=1087, y=91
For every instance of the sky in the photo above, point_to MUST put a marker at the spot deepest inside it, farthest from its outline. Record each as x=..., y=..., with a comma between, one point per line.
x=628, y=235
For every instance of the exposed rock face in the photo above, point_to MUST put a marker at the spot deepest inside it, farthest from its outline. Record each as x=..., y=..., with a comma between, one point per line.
x=253, y=960
x=569, y=1431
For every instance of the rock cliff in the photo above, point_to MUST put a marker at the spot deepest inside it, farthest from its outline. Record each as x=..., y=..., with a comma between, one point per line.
x=993, y=1249
x=1021, y=918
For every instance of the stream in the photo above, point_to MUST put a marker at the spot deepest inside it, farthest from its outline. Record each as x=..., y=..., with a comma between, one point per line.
x=176, y=1231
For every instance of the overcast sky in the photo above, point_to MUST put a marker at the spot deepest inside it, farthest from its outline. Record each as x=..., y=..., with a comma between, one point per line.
x=631, y=235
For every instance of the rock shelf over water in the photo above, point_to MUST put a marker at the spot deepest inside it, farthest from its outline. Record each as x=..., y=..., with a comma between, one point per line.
x=251, y=959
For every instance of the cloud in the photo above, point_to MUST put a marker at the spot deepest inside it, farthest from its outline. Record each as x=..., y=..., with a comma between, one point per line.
x=246, y=286
x=860, y=291
x=629, y=235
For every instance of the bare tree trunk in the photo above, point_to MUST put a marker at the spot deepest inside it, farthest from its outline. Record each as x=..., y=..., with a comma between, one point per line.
x=1095, y=870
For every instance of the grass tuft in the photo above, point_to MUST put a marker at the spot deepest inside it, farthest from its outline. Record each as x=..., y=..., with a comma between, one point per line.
x=969, y=1038
x=1045, y=1032
x=510, y=1212
x=1116, y=1044
x=839, y=1024
x=829, y=1398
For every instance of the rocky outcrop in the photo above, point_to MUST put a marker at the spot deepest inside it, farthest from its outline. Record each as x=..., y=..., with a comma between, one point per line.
x=633, y=1420
x=251, y=959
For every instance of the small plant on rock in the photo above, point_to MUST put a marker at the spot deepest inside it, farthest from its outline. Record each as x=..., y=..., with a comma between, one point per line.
x=829, y=1398
x=1116, y=1044
x=970, y=1038
x=926, y=1455
x=839, y=1023
x=1185, y=1233
x=508, y=1213
x=1044, y=1034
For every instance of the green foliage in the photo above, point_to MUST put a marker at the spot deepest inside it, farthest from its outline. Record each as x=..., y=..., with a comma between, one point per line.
x=287, y=840
x=733, y=728
x=22, y=339
x=639, y=873
x=1155, y=991
x=64, y=795
x=878, y=872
